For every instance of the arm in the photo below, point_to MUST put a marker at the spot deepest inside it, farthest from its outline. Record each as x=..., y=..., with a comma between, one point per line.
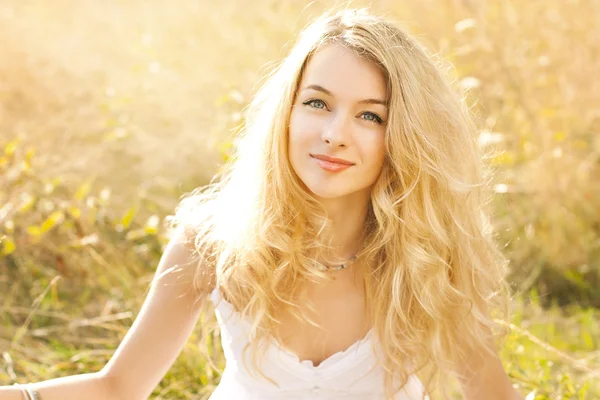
x=163, y=326
x=485, y=377
x=151, y=345
x=87, y=386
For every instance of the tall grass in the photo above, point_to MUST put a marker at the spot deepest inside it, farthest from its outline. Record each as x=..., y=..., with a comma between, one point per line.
x=109, y=110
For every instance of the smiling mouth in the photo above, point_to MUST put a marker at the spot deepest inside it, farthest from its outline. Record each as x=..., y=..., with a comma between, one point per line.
x=331, y=159
x=330, y=165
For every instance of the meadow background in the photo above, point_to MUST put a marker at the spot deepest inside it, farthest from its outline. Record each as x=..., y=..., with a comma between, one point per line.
x=109, y=111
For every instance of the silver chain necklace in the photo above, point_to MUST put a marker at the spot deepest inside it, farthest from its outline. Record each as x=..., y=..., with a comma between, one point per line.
x=340, y=266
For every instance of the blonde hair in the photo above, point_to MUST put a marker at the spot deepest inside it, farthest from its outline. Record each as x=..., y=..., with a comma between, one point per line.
x=434, y=275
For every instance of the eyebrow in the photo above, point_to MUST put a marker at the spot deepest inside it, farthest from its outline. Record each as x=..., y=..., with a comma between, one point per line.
x=327, y=92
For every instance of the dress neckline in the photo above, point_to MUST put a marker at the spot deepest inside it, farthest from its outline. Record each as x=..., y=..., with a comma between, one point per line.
x=357, y=346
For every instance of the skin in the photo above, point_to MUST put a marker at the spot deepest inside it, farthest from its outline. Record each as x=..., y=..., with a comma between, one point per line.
x=340, y=112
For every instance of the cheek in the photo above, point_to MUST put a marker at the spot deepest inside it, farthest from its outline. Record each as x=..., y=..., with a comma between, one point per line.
x=297, y=140
x=302, y=131
x=375, y=151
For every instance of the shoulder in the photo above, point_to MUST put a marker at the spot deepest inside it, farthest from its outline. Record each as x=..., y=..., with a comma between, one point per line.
x=182, y=265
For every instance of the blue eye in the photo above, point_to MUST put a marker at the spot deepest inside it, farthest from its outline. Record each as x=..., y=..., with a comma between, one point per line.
x=371, y=117
x=315, y=103
x=320, y=105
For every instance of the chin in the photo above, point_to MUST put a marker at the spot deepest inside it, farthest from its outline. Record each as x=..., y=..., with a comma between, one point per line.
x=325, y=191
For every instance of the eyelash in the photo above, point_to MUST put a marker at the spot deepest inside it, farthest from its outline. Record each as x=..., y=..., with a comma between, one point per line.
x=377, y=119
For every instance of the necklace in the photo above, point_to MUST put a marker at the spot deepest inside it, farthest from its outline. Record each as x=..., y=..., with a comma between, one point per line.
x=340, y=266
x=345, y=265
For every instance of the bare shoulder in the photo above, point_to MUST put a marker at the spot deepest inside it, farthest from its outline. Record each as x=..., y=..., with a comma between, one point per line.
x=182, y=268
x=484, y=376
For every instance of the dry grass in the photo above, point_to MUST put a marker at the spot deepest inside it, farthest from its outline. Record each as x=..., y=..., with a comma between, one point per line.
x=140, y=98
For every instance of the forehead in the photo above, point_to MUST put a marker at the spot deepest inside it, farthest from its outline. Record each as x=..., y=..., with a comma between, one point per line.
x=344, y=73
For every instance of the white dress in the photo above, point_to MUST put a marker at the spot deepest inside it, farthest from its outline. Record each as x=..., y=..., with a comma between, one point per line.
x=351, y=374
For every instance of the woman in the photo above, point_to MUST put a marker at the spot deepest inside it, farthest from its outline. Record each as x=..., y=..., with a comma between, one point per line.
x=344, y=246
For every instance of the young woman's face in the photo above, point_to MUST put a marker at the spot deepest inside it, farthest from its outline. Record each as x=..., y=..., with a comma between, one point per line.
x=340, y=112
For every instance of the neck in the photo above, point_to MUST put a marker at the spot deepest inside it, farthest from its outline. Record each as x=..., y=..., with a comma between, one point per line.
x=347, y=216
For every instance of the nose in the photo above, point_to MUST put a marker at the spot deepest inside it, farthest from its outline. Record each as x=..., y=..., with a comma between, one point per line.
x=336, y=133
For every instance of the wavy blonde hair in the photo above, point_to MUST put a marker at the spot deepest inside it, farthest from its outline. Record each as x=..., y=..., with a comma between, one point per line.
x=434, y=275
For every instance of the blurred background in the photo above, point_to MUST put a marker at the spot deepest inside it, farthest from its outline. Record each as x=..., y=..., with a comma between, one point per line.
x=109, y=111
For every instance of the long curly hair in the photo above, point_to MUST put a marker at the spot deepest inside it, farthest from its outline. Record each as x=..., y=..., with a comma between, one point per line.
x=435, y=280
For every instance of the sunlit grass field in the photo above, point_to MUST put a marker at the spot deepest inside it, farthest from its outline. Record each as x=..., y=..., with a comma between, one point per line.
x=109, y=111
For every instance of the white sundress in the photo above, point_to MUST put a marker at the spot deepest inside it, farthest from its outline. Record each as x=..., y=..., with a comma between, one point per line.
x=351, y=374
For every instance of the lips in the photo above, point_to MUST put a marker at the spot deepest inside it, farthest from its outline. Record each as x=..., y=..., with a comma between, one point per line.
x=332, y=159
x=331, y=164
